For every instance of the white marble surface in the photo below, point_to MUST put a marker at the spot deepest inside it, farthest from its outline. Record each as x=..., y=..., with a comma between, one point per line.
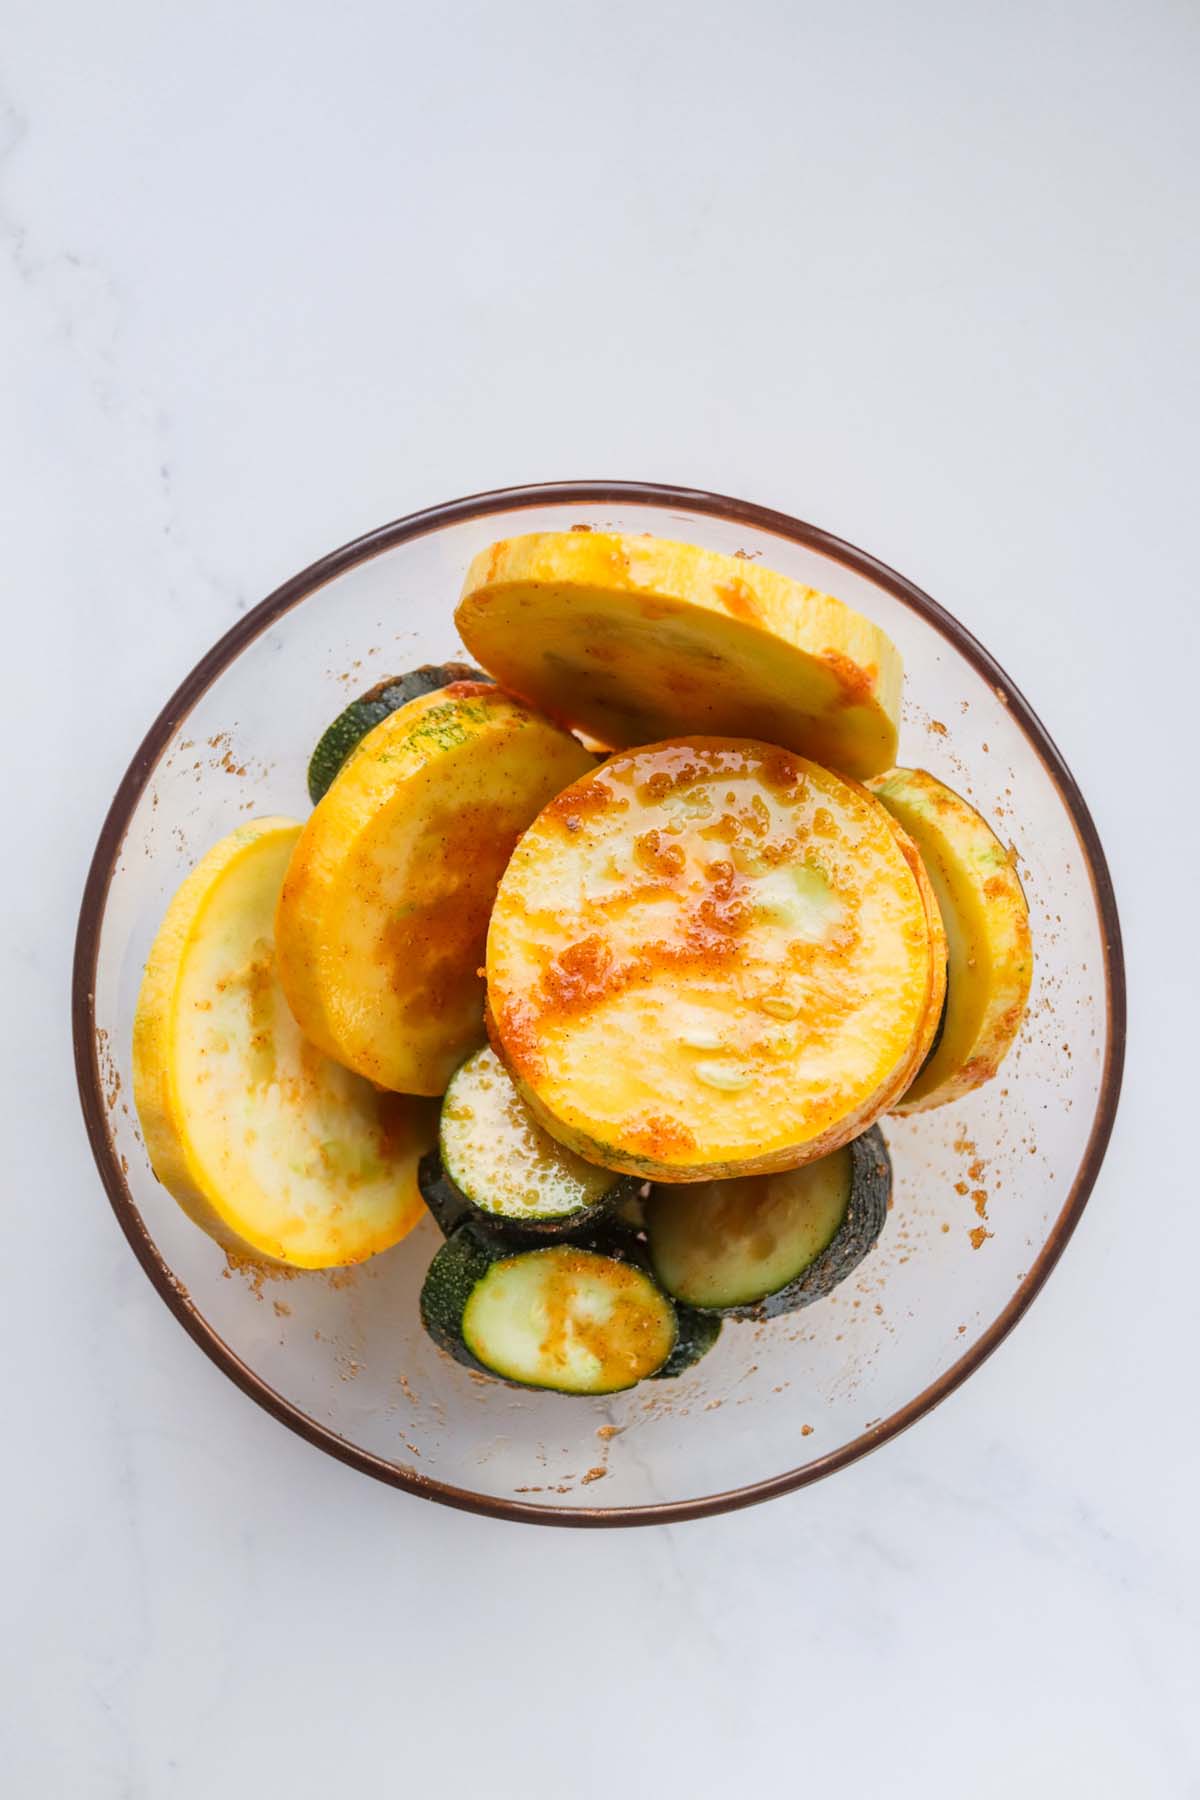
x=270, y=275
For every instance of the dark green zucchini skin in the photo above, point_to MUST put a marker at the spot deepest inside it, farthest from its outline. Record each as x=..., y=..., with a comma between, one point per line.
x=698, y=1332
x=451, y=1208
x=456, y=1270
x=571, y=1228
x=363, y=714
x=856, y=1236
x=613, y=1235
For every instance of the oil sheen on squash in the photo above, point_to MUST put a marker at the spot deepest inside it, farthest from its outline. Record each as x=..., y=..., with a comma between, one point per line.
x=986, y=917
x=499, y=1157
x=274, y=1150
x=708, y=958
x=384, y=911
x=633, y=639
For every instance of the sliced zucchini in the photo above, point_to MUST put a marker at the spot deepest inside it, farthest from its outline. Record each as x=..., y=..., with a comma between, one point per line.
x=934, y=1017
x=629, y=1209
x=698, y=1332
x=447, y=1205
x=562, y=1317
x=987, y=929
x=384, y=911
x=497, y=1155
x=363, y=714
x=709, y=958
x=772, y=1244
x=635, y=639
x=274, y=1150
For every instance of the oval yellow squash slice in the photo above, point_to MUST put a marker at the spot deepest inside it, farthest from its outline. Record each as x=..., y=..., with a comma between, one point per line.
x=383, y=915
x=633, y=639
x=939, y=953
x=987, y=929
x=708, y=958
x=276, y=1152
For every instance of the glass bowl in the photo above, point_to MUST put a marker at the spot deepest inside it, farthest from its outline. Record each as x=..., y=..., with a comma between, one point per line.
x=987, y=1191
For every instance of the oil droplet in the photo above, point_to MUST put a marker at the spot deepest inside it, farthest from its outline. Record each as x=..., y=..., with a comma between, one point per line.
x=780, y=1006
x=727, y=1076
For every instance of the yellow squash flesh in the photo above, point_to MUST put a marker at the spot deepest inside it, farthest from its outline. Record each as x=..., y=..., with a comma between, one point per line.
x=939, y=957
x=635, y=639
x=709, y=958
x=274, y=1150
x=986, y=920
x=383, y=915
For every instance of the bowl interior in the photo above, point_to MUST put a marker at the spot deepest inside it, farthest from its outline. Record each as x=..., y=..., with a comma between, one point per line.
x=986, y=1191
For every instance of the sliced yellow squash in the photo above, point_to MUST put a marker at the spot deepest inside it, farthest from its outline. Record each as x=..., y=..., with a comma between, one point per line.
x=634, y=639
x=274, y=1150
x=708, y=958
x=939, y=956
x=987, y=929
x=383, y=915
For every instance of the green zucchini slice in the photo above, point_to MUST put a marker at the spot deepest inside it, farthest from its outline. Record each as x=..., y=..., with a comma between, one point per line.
x=363, y=714
x=698, y=1332
x=768, y=1244
x=629, y=1208
x=440, y=1195
x=502, y=1162
x=562, y=1318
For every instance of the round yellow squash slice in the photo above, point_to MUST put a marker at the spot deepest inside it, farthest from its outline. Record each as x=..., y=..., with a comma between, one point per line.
x=274, y=1150
x=987, y=929
x=633, y=639
x=383, y=915
x=708, y=958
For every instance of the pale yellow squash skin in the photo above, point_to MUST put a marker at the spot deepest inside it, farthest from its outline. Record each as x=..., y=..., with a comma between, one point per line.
x=987, y=928
x=273, y=1150
x=634, y=639
x=709, y=958
x=383, y=914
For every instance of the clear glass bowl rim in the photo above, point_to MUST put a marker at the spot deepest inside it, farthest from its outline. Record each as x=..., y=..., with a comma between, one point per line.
x=224, y=652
